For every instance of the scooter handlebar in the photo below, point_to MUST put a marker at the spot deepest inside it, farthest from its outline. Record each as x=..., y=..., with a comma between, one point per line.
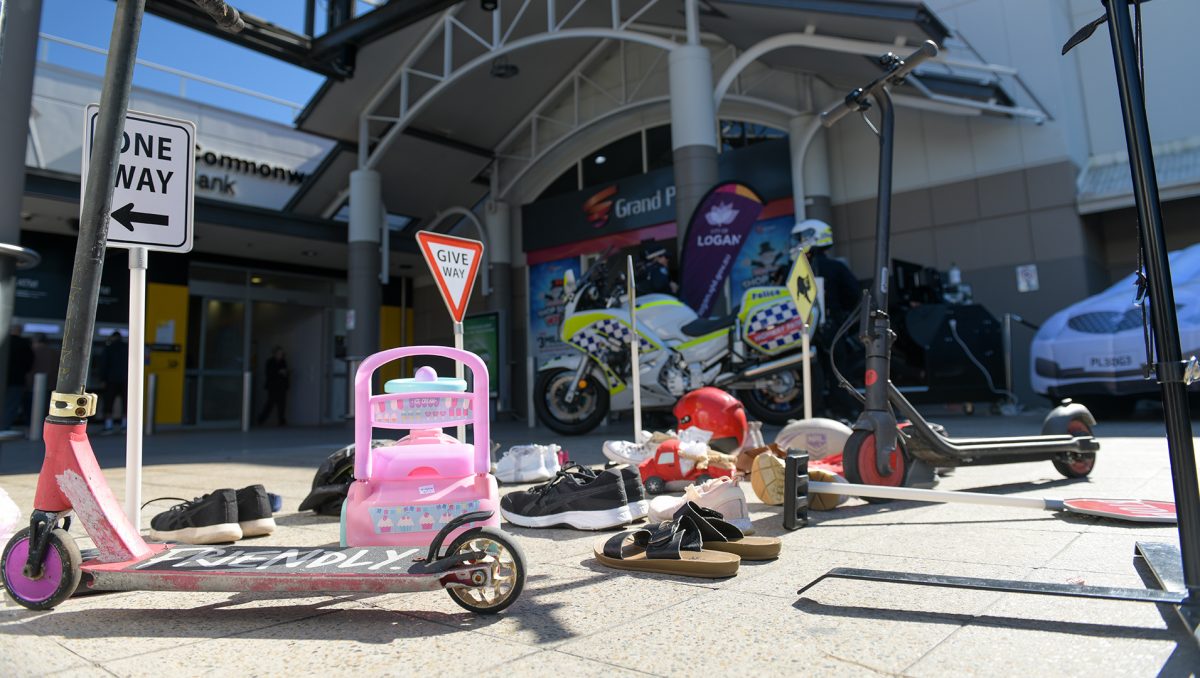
x=226, y=16
x=897, y=71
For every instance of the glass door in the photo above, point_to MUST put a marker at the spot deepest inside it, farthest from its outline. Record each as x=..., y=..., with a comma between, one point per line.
x=216, y=376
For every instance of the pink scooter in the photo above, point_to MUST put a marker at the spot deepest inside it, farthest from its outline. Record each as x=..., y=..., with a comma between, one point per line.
x=483, y=569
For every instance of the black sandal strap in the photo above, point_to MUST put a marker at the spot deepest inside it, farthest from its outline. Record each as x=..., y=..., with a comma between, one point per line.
x=710, y=523
x=663, y=541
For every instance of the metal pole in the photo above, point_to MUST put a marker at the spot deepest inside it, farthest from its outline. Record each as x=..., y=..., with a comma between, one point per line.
x=97, y=198
x=806, y=369
x=635, y=367
x=1008, y=375
x=247, y=399
x=458, y=374
x=151, y=404
x=138, y=261
x=1162, y=296
x=38, y=407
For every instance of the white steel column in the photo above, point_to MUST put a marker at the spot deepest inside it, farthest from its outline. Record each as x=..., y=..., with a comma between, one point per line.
x=810, y=168
x=366, y=218
x=693, y=128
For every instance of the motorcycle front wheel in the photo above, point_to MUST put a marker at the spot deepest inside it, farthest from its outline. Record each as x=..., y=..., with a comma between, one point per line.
x=582, y=414
x=782, y=398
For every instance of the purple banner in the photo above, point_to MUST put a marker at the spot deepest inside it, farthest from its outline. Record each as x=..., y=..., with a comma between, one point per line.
x=718, y=230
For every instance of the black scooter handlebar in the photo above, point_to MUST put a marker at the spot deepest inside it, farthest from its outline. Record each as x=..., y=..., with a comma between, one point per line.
x=226, y=16
x=897, y=70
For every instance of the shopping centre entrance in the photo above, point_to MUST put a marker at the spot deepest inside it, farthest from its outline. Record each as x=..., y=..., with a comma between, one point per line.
x=236, y=318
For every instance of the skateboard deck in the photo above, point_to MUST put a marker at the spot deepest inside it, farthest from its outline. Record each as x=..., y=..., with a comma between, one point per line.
x=186, y=567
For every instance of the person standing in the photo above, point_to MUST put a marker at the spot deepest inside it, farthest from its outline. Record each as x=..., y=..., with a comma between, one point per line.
x=814, y=238
x=656, y=276
x=45, y=361
x=20, y=361
x=278, y=377
x=114, y=377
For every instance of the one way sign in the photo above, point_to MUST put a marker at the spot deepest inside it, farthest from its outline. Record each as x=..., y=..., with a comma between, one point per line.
x=153, y=196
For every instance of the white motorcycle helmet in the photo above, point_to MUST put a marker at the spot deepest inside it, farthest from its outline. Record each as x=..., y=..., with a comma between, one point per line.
x=811, y=233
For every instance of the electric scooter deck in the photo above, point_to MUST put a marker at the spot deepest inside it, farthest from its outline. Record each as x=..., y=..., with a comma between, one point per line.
x=185, y=567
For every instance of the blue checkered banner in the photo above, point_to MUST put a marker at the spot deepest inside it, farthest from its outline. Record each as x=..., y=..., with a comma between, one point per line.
x=775, y=327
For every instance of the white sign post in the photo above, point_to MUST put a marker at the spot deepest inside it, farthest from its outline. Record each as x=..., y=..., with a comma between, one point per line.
x=454, y=262
x=151, y=210
x=634, y=344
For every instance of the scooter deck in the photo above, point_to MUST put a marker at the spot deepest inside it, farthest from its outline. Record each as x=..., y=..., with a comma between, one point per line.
x=374, y=569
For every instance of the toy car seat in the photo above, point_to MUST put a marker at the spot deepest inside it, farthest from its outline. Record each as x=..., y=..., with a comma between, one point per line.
x=403, y=494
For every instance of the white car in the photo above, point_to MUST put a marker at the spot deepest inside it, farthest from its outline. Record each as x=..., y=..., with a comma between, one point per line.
x=1095, y=350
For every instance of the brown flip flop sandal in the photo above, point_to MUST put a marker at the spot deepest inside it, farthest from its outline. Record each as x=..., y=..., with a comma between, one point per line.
x=671, y=547
x=719, y=535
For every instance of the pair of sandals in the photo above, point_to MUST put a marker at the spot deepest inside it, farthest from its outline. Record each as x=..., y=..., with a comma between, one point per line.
x=697, y=542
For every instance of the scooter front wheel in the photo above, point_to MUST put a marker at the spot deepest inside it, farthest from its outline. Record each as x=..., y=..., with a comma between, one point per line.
x=858, y=460
x=506, y=562
x=59, y=576
x=1076, y=464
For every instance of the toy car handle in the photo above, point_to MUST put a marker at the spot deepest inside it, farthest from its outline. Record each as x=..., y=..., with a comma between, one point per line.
x=362, y=401
x=897, y=70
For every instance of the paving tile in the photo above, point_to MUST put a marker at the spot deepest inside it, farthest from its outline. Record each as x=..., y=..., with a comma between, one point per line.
x=561, y=663
x=754, y=635
x=105, y=628
x=362, y=641
x=33, y=655
x=558, y=605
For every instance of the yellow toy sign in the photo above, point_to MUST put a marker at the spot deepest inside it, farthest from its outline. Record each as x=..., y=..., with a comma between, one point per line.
x=802, y=285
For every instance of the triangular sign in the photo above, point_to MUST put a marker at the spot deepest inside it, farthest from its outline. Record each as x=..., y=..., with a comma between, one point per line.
x=454, y=263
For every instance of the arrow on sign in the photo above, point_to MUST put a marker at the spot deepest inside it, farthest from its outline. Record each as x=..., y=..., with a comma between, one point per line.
x=126, y=216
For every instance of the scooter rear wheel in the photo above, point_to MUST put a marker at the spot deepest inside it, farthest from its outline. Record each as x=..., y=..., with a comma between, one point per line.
x=1076, y=464
x=60, y=570
x=858, y=460
x=507, y=564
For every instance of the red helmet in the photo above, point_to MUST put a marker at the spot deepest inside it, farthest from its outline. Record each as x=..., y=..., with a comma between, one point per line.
x=713, y=410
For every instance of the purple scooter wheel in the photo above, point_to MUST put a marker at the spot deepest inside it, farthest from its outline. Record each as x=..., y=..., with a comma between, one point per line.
x=60, y=571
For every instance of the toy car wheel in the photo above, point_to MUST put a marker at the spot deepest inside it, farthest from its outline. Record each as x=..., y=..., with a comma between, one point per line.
x=859, y=463
x=655, y=485
x=506, y=562
x=59, y=576
x=703, y=478
x=1076, y=464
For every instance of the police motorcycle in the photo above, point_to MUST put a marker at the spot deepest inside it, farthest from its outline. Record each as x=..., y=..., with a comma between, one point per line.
x=754, y=352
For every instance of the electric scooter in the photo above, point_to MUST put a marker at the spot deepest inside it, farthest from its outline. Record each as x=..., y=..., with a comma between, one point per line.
x=877, y=452
x=482, y=569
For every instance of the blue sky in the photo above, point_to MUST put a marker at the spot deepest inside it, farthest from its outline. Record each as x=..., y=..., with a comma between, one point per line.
x=170, y=44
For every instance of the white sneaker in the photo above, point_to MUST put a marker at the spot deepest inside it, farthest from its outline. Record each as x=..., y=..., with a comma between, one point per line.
x=719, y=494
x=528, y=464
x=634, y=453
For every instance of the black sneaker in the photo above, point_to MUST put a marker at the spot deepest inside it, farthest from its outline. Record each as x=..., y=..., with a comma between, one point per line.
x=635, y=492
x=254, y=511
x=211, y=519
x=584, y=503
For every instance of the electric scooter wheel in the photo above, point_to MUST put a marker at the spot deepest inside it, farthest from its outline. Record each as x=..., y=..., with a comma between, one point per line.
x=858, y=460
x=1076, y=464
x=507, y=564
x=60, y=570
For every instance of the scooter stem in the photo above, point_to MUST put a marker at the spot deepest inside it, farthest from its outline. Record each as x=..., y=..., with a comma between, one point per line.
x=877, y=415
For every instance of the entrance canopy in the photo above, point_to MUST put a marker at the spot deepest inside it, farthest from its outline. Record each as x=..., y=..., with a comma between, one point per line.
x=467, y=101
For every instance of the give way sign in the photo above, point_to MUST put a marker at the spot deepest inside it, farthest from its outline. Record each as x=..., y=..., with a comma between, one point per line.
x=153, y=197
x=454, y=263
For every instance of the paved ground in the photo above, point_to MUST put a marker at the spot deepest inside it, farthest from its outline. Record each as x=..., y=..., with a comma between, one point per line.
x=578, y=618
